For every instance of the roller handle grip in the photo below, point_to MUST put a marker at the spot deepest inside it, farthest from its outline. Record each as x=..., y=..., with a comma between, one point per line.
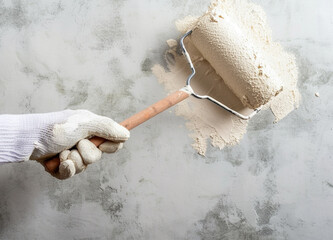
x=52, y=164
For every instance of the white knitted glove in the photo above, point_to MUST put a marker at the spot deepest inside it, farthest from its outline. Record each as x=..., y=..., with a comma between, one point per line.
x=41, y=136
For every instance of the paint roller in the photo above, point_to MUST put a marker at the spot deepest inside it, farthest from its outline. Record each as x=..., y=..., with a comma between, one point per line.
x=235, y=58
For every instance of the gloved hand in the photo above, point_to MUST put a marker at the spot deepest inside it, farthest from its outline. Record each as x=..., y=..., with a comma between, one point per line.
x=41, y=136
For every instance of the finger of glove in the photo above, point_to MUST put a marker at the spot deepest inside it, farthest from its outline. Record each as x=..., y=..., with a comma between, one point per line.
x=83, y=124
x=110, y=147
x=88, y=151
x=66, y=170
x=107, y=128
x=63, y=156
x=78, y=162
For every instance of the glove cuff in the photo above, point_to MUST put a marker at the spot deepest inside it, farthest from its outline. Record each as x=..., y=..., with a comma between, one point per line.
x=20, y=133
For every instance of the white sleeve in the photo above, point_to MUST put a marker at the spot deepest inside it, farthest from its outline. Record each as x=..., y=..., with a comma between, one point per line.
x=18, y=133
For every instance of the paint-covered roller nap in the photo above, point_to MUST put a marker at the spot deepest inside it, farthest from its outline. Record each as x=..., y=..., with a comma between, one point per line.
x=236, y=58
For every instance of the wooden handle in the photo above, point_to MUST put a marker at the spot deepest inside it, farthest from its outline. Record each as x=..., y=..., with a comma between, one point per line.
x=52, y=165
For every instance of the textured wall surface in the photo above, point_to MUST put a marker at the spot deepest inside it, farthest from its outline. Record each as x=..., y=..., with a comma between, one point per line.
x=97, y=55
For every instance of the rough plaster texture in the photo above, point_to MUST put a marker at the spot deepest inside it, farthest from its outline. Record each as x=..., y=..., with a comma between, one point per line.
x=277, y=184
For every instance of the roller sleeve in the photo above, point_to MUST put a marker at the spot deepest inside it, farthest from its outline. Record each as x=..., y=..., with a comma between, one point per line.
x=236, y=59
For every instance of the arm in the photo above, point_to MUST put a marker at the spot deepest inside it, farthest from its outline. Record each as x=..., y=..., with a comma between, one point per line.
x=41, y=136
